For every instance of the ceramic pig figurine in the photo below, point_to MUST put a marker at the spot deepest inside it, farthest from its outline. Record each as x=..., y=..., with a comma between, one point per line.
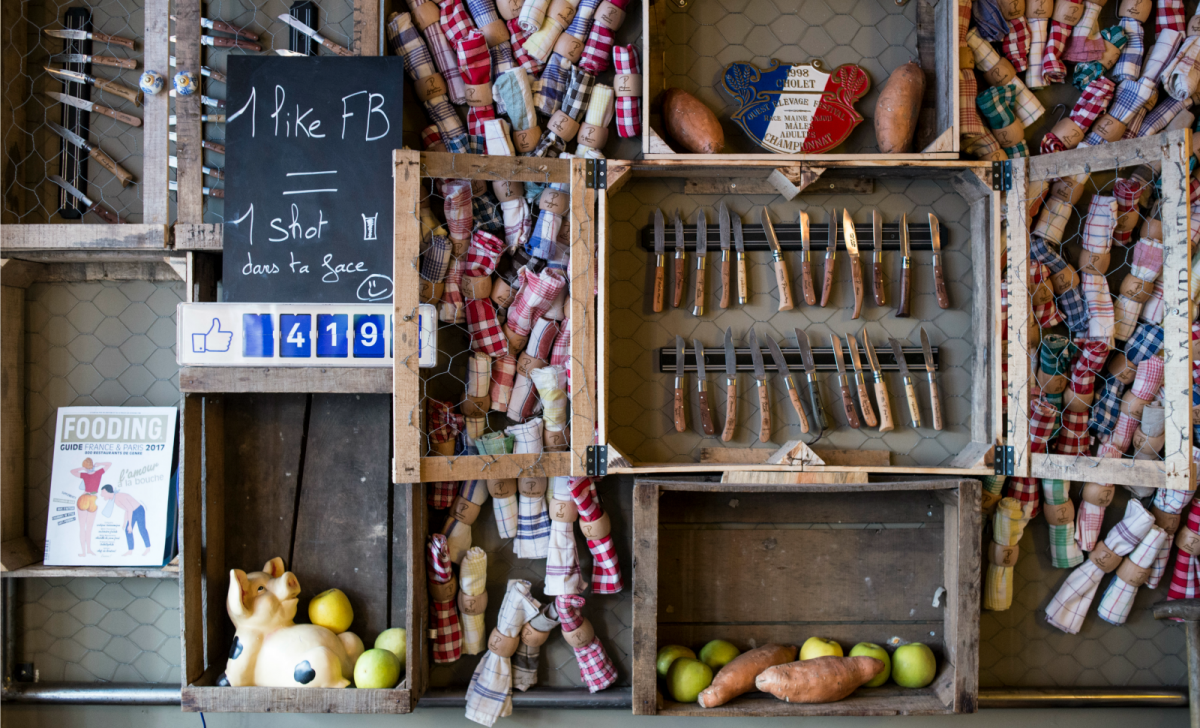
x=269, y=649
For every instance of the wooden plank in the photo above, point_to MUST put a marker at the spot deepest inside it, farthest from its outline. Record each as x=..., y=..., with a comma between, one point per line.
x=285, y=379
x=757, y=455
x=750, y=634
x=444, y=165
x=583, y=318
x=155, y=145
x=885, y=701
x=189, y=199
x=366, y=34
x=948, y=111
x=468, y=467
x=963, y=551
x=645, y=597
x=202, y=274
x=619, y=172
x=12, y=427
x=406, y=388
x=294, y=700
x=1122, y=471
x=760, y=186
x=17, y=553
x=218, y=629
x=15, y=31
x=342, y=514
x=927, y=57
x=198, y=236
x=86, y=237
x=603, y=361
x=985, y=279
x=792, y=478
x=401, y=543
x=797, y=507
x=705, y=486
x=54, y=271
x=39, y=570
x=191, y=554
x=879, y=159
x=651, y=65
x=697, y=468
x=20, y=273
x=1115, y=155
x=689, y=166
x=1177, y=350
x=418, y=600
x=1019, y=293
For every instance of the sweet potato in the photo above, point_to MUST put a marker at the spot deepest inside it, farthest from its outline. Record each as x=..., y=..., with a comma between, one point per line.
x=737, y=677
x=690, y=123
x=898, y=108
x=819, y=680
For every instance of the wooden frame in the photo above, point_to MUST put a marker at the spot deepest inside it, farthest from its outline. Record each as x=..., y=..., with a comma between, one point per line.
x=937, y=49
x=410, y=465
x=1172, y=150
x=704, y=504
x=971, y=180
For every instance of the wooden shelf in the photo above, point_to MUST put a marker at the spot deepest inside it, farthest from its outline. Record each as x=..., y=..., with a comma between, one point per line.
x=170, y=571
x=298, y=380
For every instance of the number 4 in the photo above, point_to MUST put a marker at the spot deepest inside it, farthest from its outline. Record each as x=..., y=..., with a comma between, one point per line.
x=296, y=336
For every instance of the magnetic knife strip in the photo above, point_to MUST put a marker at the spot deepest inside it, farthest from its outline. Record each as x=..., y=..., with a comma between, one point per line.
x=919, y=237
x=714, y=359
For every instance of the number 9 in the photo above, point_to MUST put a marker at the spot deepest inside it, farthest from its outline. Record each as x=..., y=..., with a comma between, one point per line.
x=369, y=334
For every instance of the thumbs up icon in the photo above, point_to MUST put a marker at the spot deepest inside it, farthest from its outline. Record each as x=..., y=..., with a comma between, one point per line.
x=214, y=340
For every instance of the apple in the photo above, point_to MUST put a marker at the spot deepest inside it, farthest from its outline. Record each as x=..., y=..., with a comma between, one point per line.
x=669, y=654
x=913, y=665
x=870, y=649
x=718, y=653
x=820, y=647
x=686, y=678
x=377, y=668
x=394, y=640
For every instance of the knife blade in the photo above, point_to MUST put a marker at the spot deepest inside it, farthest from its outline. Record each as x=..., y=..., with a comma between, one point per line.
x=206, y=71
x=300, y=26
x=806, y=280
x=213, y=172
x=782, y=279
x=128, y=63
x=864, y=397
x=939, y=281
x=214, y=41
x=85, y=35
x=935, y=398
x=103, y=212
x=723, y=229
x=680, y=419
x=94, y=152
x=830, y=259
x=701, y=262
x=659, y=273
x=856, y=274
x=706, y=420
x=112, y=87
x=680, y=259
x=205, y=100
x=204, y=119
x=730, y=386
x=764, y=401
x=886, y=423
x=222, y=27
x=844, y=383
x=877, y=259
x=819, y=421
x=79, y=103
x=910, y=394
x=902, y=308
x=210, y=146
x=789, y=382
x=743, y=283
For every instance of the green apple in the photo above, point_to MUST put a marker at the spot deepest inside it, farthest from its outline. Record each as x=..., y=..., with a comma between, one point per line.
x=669, y=654
x=377, y=669
x=870, y=649
x=394, y=640
x=686, y=678
x=718, y=653
x=820, y=647
x=913, y=665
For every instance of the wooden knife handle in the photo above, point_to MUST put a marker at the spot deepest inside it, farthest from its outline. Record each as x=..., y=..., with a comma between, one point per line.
x=785, y=287
x=127, y=63
x=864, y=400
x=107, y=162
x=701, y=276
x=827, y=284
x=794, y=395
x=218, y=77
x=335, y=48
x=764, y=405
x=680, y=420
x=224, y=27
x=117, y=89
x=935, y=403
x=730, y=411
x=120, y=116
x=659, y=281
x=877, y=280
x=910, y=393
x=902, y=308
x=820, y=423
x=706, y=420
x=856, y=277
x=219, y=42
x=886, y=423
x=939, y=283
x=105, y=214
x=213, y=146
x=216, y=173
x=806, y=282
x=677, y=296
x=113, y=40
x=848, y=405
x=742, y=281
x=725, y=279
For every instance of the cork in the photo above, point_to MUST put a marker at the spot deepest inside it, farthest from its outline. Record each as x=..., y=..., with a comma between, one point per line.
x=516, y=342
x=475, y=406
x=569, y=47
x=1188, y=541
x=1121, y=369
x=627, y=85
x=444, y=448
x=1078, y=401
x=1152, y=228
x=1094, y=263
x=1136, y=289
x=532, y=487
x=1133, y=406
x=562, y=125
x=1059, y=515
x=526, y=363
x=563, y=511
x=443, y=592
x=472, y=604
x=1104, y=558
x=464, y=511
x=581, y=637
x=1011, y=9
x=502, y=293
x=562, y=12
x=425, y=15
x=1109, y=128
x=1168, y=522
x=1098, y=494
x=1139, y=10
x=1132, y=574
x=1011, y=135
x=1003, y=555
x=988, y=503
x=431, y=87
x=1051, y=383
x=509, y=9
x=506, y=191
x=502, y=488
x=609, y=16
x=501, y=644
x=1067, y=189
x=554, y=201
x=476, y=287
x=430, y=292
x=593, y=136
x=1068, y=13
x=533, y=637
x=1064, y=280
x=479, y=94
x=554, y=440
x=596, y=529
x=526, y=140
x=494, y=33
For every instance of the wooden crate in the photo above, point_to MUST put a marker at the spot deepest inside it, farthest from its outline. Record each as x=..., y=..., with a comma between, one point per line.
x=635, y=405
x=690, y=44
x=412, y=463
x=758, y=564
x=304, y=477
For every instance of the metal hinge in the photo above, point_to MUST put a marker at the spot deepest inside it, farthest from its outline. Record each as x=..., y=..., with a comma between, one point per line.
x=597, y=460
x=1002, y=176
x=597, y=173
x=1006, y=460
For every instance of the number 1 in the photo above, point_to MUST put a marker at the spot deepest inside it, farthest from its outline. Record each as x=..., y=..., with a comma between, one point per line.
x=332, y=329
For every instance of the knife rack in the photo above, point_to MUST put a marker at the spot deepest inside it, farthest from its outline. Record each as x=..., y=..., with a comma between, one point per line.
x=919, y=237
x=73, y=161
x=823, y=360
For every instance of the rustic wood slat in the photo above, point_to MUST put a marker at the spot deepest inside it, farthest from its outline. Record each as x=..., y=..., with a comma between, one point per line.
x=1117, y=471
x=294, y=700
x=191, y=519
x=470, y=467
x=1128, y=153
x=366, y=38
x=286, y=379
x=199, y=236
x=189, y=199
x=418, y=599
x=1018, y=317
x=12, y=429
x=1177, y=352
x=690, y=507
x=401, y=543
x=57, y=266
x=216, y=537
x=202, y=275
x=155, y=54
x=17, y=553
x=408, y=447
x=20, y=273
x=87, y=237
x=791, y=477
x=645, y=597
x=515, y=169
x=757, y=455
x=963, y=523
x=39, y=570
x=583, y=318
x=760, y=186
x=697, y=468
x=602, y=334
x=874, y=702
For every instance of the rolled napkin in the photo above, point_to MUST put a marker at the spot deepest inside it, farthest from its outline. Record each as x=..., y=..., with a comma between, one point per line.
x=990, y=19
x=445, y=630
x=597, y=528
x=1127, y=192
x=456, y=23
x=440, y=494
x=1070, y=605
x=593, y=132
x=977, y=139
x=1166, y=46
x=472, y=494
x=472, y=599
x=996, y=106
x=1097, y=231
x=993, y=490
x=1113, y=40
x=489, y=694
x=487, y=336
x=517, y=93
x=558, y=16
x=1146, y=342
x=1131, y=96
x=1055, y=353
x=553, y=206
x=1107, y=406
x=599, y=47
x=479, y=378
x=562, y=561
x=549, y=382
x=627, y=85
x=528, y=655
x=1181, y=77
x=1117, y=601
x=527, y=437
x=1045, y=310
x=459, y=214
x=1039, y=29
x=427, y=16
x=595, y=667
x=1168, y=15
x=1094, y=499
x=483, y=254
x=1016, y=43
x=499, y=144
x=1085, y=43
x=442, y=426
x=1067, y=13
x=1060, y=515
x=1073, y=437
x=518, y=223
x=475, y=62
x=1065, y=281
x=495, y=443
x=1185, y=581
x=504, y=505
x=564, y=123
x=1154, y=307
x=488, y=21
x=435, y=264
x=504, y=374
x=430, y=86
x=519, y=35
x=1101, y=319
x=570, y=43
x=1000, y=72
x=1129, y=65
x=1069, y=132
x=525, y=402
x=549, y=90
x=537, y=292
x=532, y=14
x=1167, y=509
x=533, y=522
x=1008, y=525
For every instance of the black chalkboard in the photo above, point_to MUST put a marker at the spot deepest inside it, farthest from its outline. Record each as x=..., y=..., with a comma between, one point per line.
x=308, y=206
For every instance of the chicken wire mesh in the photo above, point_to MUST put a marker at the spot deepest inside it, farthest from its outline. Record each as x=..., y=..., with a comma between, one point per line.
x=33, y=150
